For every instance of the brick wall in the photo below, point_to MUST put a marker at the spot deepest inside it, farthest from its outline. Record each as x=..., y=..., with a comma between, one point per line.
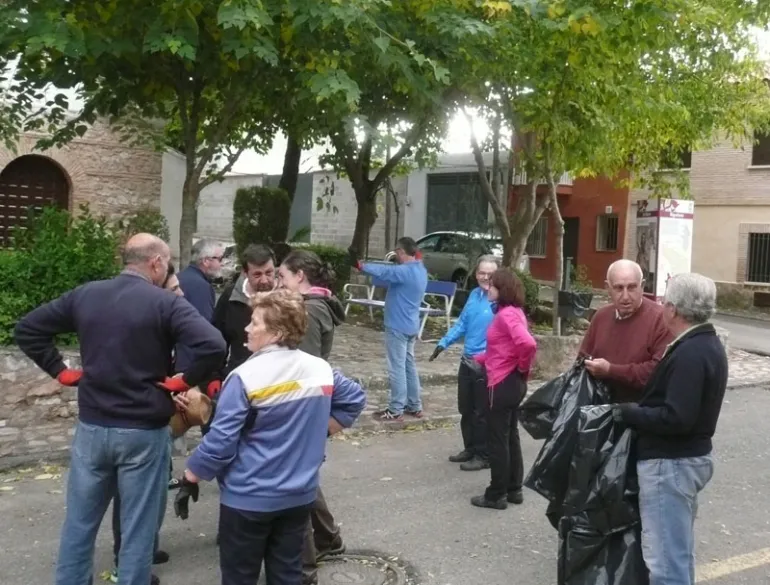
x=723, y=175
x=112, y=177
x=336, y=229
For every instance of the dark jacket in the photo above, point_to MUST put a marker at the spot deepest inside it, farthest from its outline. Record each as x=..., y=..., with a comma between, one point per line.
x=199, y=292
x=231, y=316
x=678, y=413
x=324, y=313
x=127, y=328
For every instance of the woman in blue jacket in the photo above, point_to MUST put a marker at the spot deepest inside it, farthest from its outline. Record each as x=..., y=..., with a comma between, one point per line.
x=471, y=379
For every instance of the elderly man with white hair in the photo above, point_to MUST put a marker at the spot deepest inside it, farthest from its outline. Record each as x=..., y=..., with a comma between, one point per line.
x=627, y=338
x=675, y=421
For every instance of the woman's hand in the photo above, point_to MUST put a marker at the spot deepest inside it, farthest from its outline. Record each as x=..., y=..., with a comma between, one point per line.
x=191, y=477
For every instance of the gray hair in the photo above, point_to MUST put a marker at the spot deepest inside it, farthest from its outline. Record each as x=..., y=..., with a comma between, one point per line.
x=488, y=258
x=693, y=296
x=203, y=249
x=625, y=264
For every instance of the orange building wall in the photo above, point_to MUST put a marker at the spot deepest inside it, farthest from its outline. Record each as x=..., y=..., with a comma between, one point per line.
x=588, y=200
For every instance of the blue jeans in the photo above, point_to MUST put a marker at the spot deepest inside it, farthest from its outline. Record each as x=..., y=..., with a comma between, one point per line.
x=402, y=372
x=135, y=463
x=668, y=504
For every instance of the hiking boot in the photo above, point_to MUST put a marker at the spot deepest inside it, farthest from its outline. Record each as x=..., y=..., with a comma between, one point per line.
x=337, y=549
x=461, y=457
x=483, y=502
x=388, y=415
x=475, y=464
x=160, y=557
x=516, y=497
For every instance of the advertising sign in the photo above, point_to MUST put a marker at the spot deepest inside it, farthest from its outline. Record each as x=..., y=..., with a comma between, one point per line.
x=663, y=241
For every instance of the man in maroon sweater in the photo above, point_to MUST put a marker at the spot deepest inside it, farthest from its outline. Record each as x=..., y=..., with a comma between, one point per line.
x=627, y=338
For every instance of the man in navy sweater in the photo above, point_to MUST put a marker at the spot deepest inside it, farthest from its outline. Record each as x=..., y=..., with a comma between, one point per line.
x=127, y=327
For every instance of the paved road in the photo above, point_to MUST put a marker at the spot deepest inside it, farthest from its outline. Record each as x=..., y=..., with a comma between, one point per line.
x=745, y=333
x=397, y=494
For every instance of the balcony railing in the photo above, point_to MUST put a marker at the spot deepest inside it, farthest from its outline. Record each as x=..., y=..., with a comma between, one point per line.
x=521, y=179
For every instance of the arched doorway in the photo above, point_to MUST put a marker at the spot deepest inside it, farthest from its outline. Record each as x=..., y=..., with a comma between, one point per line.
x=29, y=181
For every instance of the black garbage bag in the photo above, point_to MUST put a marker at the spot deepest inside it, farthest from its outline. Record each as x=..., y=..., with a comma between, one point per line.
x=550, y=472
x=600, y=540
x=538, y=412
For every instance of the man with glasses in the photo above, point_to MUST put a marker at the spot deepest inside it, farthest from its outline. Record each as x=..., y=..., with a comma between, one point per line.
x=471, y=378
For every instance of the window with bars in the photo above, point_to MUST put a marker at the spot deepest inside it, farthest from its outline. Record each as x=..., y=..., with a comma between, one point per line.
x=456, y=203
x=607, y=233
x=758, y=260
x=760, y=153
x=676, y=159
x=536, y=243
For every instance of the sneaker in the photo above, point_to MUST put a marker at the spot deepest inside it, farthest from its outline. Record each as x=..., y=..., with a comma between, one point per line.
x=516, y=497
x=415, y=413
x=154, y=580
x=160, y=557
x=483, y=502
x=336, y=550
x=461, y=457
x=475, y=464
x=388, y=415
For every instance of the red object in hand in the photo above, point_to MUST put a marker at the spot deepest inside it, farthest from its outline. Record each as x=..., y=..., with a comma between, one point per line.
x=174, y=385
x=213, y=388
x=69, y=377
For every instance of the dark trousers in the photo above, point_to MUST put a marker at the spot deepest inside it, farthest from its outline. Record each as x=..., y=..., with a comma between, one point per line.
x=246, y=539
x=321, y=536
x=505, y=459
x=472, y=398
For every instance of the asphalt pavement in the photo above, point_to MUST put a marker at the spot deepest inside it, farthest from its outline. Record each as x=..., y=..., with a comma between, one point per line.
x=746, y=333
x=397, y=494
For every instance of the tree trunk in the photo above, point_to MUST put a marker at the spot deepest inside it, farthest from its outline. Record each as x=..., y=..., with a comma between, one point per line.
x=559, y=269
x=189, y=222
x=366, y=215
x=291, y=160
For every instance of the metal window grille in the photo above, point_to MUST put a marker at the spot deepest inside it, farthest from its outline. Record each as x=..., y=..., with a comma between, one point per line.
x=760, y=153
x=607, y=233
x=758, y=261
x=536, y=243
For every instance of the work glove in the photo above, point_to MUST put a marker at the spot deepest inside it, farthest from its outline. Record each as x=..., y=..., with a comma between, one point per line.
x=186, y=491
x=174, y=385
x=436, y=353
x=213, y=388
x=353, y=258
x=69, y=377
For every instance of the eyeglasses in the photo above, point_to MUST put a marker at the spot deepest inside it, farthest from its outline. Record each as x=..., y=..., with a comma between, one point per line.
x=217, y=258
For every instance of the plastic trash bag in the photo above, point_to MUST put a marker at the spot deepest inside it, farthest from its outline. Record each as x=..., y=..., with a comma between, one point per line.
x=550, y=472
x=600, y=531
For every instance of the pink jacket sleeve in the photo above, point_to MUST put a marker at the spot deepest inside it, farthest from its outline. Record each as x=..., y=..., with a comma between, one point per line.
x=522, y=341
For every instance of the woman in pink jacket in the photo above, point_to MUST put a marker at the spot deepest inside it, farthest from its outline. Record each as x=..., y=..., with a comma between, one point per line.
x=508, y=359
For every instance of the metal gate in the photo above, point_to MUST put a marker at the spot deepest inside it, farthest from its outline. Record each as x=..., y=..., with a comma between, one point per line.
x=30, y=181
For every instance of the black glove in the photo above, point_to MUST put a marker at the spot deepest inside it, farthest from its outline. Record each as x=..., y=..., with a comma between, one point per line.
x=187, y=490
x=617, y=414
x=436, y=353
x=353, y=258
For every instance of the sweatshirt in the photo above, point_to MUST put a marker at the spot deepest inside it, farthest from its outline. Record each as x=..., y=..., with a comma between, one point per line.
x=406, y=287
x=678, y=412
x=472, y=324
x=510, y=346
x=324, y=313
x=199, y=292
x=274, y=464
x=127, y=328
x=232, y=315
x=633, y=346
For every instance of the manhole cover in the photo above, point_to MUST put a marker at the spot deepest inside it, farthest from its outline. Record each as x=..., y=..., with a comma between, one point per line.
x=360, y=570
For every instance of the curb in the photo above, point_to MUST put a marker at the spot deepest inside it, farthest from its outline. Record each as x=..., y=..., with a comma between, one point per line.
x=747, y=316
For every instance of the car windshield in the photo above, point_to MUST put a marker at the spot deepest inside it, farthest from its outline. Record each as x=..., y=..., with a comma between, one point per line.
x=495, y=245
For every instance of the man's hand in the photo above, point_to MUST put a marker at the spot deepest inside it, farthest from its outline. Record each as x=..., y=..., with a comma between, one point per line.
x=334, y=427
x=188, y=489
x=599, y=368
x=214, y=387
x=436, y=353
x=353, y=258
x=175, y=384
x=69, y=377
x=182, y=401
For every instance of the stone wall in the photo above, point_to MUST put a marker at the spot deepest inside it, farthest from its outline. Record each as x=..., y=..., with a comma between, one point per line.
x=37, y=414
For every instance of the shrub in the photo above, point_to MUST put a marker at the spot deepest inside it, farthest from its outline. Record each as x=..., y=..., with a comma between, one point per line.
x=146, y=220
x=531, y=291
x=260, y=216
x=53, y=254
x=337, y=257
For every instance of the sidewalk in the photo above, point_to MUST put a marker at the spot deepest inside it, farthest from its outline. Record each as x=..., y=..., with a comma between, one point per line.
x=359, y=352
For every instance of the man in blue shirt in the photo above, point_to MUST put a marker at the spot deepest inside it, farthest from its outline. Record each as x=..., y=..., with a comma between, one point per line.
x=407, y=281
x=472, y=394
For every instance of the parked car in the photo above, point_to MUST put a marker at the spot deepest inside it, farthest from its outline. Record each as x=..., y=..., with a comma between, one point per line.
x=230, y=266
x=452, y=256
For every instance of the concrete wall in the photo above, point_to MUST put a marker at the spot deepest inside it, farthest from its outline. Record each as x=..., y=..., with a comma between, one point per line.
x=172, y=181
x=112, y=177
x=301, y=205
x=215, y=207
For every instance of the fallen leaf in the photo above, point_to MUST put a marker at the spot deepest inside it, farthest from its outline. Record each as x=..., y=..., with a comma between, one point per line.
x=386, y=478
x=55, y=492
x=44, y=476
x=6, y=488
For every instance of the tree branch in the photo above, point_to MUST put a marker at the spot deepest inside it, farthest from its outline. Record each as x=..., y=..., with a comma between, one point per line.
x=411, y=139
